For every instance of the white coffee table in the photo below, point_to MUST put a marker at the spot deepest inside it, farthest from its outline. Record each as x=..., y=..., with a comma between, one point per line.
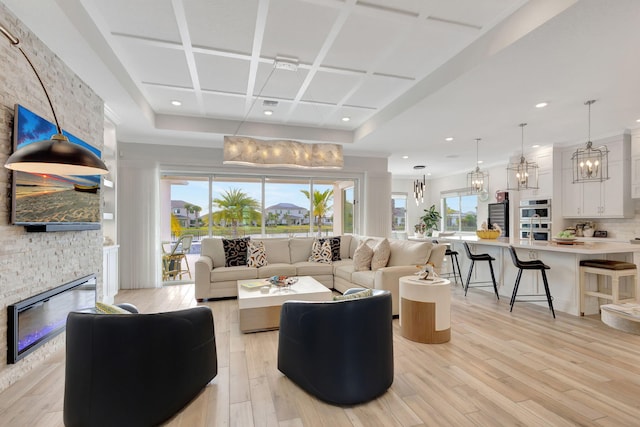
x=261, y=311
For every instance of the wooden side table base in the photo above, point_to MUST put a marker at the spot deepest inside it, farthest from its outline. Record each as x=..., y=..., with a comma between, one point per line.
x=419, y=323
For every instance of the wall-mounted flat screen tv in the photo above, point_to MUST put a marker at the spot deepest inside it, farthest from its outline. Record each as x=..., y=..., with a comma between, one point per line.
x=44, y=202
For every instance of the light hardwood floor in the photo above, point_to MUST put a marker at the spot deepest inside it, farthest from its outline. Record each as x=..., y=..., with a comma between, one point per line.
x=500, y=368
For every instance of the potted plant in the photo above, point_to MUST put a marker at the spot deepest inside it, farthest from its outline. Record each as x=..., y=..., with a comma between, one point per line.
x=430, y=219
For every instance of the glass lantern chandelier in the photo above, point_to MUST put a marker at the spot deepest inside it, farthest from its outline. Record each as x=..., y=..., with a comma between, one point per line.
x=477, y=179
x=522, y=175
x=590, y=164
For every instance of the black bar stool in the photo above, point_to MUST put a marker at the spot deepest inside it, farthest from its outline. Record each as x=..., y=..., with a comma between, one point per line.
x=453, y=255
x=530, y=265
x=480, y=257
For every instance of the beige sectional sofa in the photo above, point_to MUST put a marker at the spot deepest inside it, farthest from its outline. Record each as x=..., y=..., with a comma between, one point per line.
x=290, y=257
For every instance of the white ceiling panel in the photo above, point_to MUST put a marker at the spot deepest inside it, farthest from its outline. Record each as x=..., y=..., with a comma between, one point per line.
x=331, y=87
x=353, y=46
x=222, y=74
x=296, y=29
x=315, y=114
x=222, y=24
x=152, y=64
x=276, y=83
x=152, y=19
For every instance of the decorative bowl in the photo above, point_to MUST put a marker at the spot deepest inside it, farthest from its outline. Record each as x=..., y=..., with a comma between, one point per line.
x=488, y=234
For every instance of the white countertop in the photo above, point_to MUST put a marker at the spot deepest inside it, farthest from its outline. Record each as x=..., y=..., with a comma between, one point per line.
x=589, y=247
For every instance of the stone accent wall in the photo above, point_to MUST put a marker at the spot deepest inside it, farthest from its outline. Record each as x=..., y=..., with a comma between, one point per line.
x=31, y=263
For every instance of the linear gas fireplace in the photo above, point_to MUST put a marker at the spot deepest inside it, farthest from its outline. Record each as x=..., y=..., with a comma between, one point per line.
x=36, y=320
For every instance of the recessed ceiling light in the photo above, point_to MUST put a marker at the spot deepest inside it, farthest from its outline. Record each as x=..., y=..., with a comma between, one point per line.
x=346, y=119
x=405, y=157
x=541, y=104
x=176, y=103
x=480, y=161
x=428, y=173
x=535, y=146
x=449, y=139
x=268, y=112
x=638, y=120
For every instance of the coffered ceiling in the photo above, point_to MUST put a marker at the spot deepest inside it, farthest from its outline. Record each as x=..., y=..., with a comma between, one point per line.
x=407, y=73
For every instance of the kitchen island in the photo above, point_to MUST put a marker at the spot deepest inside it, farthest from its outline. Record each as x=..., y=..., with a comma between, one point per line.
x=564, y=260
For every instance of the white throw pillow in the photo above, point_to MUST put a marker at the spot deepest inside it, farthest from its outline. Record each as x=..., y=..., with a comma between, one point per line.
x=381, y=254
x=321, y=252
x=256, y=255
x=362, y=257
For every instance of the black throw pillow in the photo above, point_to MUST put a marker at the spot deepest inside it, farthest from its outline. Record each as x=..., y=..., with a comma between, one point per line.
x=235, y=252
x=335, y=247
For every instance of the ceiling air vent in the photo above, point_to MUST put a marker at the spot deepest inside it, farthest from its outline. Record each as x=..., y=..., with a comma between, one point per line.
x=268, y=103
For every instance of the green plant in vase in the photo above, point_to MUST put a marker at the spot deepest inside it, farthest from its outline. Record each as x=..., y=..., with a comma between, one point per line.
x=430, y=219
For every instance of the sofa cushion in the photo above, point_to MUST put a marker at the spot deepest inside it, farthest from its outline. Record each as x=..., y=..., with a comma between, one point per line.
x=235, y=251
x=224, y=274
x=335, y=246
x=306, y=268
x=277, y=269
x=277, y=250
x=256, y=256
x=300, y=248
x=381, y=254
x=363, y=278
x=343, y=271
x=408, y=252
x=320, y=252
x=362, y=257
x=212, y=247
x=345, y=246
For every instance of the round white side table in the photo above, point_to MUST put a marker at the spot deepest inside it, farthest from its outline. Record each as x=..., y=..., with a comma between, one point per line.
x=425, y=310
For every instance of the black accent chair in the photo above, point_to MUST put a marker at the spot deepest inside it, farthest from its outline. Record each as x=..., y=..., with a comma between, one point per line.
x=138, y=369
x=339, y=351
x=535, y=264
x=480, y=257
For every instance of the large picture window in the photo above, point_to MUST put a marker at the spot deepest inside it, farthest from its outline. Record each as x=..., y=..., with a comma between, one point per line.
x=233, y=205
x=460, y=211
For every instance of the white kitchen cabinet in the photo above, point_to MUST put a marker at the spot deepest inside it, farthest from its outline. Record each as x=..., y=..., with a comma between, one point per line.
x=607, y=199
x=109, y=273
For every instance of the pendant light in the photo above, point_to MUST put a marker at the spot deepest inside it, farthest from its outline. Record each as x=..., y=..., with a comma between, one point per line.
x=57, y=155
x=418, y=189
x=476, y=179
x=590, y=164
x=522, y=175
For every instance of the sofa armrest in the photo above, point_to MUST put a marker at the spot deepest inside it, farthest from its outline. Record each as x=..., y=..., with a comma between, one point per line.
x=388, y=278
x=204, y=266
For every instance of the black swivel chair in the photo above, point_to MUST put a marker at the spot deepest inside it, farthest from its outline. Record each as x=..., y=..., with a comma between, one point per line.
x=136, y=369
x=530, y=265
x=479, y=257
x=339, y=351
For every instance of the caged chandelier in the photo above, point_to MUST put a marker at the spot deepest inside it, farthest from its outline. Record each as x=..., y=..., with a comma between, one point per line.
x=522, y=175
x=476, y=178
x=590, y=164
